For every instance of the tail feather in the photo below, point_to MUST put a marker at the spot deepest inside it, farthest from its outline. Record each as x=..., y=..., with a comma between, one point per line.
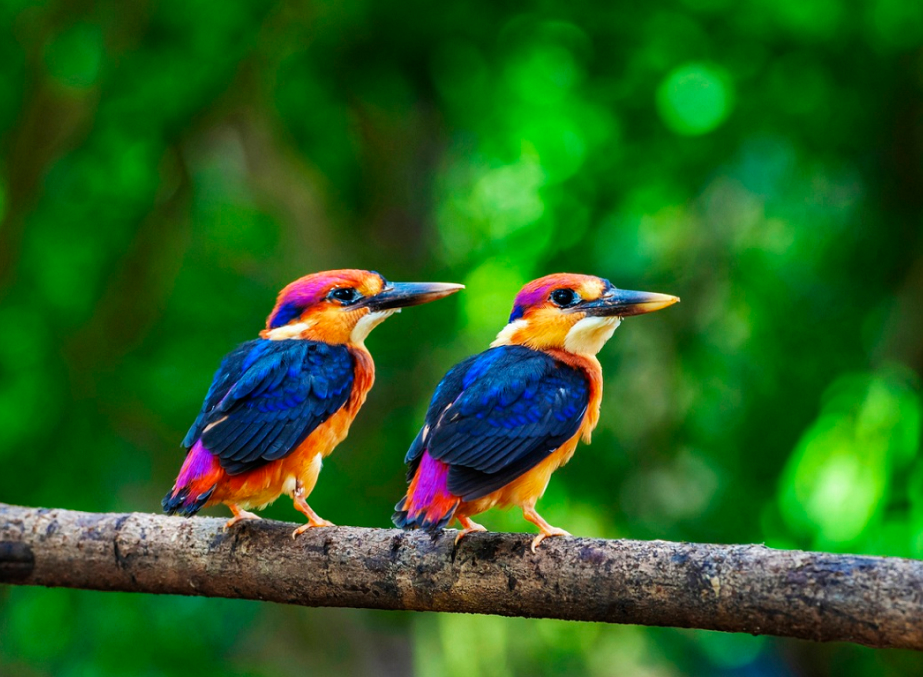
x=179, y=501
x=428, y=504
x=195, y=484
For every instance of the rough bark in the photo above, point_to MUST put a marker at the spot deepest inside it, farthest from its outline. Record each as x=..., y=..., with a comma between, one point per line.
x=877, y=601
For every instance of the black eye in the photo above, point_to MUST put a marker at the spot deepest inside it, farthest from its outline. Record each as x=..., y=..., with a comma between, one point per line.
x=345, y=295
x=564, y=298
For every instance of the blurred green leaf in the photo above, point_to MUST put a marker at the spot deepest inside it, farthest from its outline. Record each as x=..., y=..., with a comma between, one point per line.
x=75, y=57
x=695, y=98
x=840, y=474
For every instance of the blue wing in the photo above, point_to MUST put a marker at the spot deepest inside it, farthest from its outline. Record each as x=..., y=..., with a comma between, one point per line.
x=499, y=414
x=267, y=397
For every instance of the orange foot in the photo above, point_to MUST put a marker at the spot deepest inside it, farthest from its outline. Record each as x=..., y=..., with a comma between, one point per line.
x=468, y=527
x=546, y=529
x=239, y=515
x=301, y=505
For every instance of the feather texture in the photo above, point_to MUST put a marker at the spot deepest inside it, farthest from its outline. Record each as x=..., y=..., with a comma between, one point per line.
x=498, y=414
x=267, y=397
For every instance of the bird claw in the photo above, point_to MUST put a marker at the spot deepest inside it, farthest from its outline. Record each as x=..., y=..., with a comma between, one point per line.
x=310, y=525
x=240, y=516
x=474, y=527
x=553, y=531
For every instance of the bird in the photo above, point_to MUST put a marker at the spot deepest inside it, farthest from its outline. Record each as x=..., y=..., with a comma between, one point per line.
x=502, y=421
x=279, y=404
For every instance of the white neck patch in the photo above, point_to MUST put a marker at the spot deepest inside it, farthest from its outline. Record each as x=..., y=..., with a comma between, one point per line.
x=505, y=337
x=287, y=331
x=368, y=322
x=590, y=334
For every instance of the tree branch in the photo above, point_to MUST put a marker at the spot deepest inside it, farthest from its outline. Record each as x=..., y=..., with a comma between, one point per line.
x=877, y=601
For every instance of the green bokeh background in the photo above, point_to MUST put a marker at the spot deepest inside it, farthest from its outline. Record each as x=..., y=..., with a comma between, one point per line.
x=168, y=166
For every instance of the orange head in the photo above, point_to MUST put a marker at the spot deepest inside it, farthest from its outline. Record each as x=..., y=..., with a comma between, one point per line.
x=343, y=306
x=576, y=313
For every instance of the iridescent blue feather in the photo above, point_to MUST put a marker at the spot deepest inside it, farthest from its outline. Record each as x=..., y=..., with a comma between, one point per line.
x=267, y=397
x=511, y=407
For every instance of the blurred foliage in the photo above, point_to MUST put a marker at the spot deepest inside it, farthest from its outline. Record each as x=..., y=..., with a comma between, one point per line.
x=168, y=166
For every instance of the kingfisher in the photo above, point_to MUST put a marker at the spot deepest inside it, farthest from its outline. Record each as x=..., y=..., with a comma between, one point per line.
x=279, y=404
x=501, y=422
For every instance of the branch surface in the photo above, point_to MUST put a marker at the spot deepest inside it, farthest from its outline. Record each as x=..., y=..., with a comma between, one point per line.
x=876, y=601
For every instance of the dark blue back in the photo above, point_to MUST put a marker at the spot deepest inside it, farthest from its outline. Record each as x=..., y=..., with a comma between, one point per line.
x=267, y=397
x=498, y=414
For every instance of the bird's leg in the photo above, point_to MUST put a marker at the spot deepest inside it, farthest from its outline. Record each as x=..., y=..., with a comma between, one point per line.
x=301, y=505
x=468, y=526
x=528, y=511
x=239, y=515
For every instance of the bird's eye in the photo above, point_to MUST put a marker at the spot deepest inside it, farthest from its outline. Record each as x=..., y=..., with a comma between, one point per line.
x=565, y=298
x=345, y=295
